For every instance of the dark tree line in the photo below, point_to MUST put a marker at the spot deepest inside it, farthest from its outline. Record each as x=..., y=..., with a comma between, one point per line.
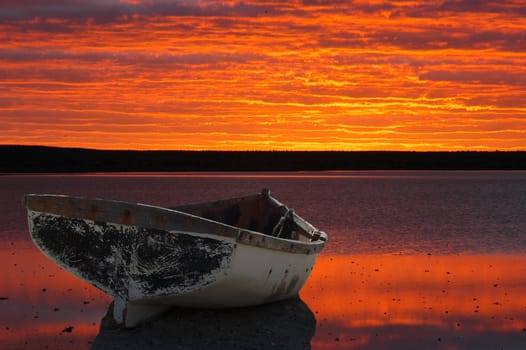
x=34, y=159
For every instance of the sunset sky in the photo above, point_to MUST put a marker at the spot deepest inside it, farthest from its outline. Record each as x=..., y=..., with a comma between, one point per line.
x=264, y=75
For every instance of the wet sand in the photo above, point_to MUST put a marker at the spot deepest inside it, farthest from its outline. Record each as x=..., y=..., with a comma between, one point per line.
x=377, y=301
x=282, y=325
x=386, y=301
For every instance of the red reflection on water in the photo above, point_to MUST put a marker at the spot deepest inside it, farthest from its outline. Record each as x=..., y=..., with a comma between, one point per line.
x=356, y=298
x=366, y=301
x=41, y=301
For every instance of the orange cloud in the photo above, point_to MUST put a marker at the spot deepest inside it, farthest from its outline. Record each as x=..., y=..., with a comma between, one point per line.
x=317, y=75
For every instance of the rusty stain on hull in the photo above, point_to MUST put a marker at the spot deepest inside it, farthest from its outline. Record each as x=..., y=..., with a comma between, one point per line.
x=284, y=287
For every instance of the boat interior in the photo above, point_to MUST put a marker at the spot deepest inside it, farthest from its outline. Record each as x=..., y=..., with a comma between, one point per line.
x=260, y=213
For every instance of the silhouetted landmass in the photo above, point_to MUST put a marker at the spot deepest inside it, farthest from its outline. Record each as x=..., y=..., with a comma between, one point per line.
x=40, y=159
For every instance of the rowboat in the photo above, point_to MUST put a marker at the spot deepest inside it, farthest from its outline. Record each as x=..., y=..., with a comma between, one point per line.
x=236, y=252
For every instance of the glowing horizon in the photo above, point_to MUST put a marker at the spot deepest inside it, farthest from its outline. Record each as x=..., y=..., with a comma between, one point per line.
x=264, y=75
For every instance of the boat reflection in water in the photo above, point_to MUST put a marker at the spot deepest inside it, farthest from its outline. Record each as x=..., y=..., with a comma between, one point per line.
x=416, y=302
x=286, y=324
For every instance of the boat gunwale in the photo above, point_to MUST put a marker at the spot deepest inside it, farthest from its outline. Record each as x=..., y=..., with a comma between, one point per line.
x=167, y=219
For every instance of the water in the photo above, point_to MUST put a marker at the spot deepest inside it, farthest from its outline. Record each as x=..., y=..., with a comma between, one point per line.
x=414, y=259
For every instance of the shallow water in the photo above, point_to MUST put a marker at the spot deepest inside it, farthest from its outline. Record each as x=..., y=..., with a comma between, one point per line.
x=414, y=259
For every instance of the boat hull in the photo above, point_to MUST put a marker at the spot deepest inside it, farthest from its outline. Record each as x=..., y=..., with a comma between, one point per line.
x=174, y=260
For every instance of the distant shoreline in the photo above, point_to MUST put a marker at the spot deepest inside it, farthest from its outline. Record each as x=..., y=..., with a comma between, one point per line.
x=43, y=159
